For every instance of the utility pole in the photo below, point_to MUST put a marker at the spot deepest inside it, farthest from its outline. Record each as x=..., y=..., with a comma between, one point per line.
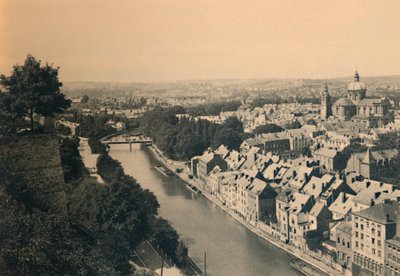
x=205, y=264
x=162, y=264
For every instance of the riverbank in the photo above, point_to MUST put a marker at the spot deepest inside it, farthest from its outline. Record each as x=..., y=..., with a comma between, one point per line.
x=318, y=266
x=89, y=159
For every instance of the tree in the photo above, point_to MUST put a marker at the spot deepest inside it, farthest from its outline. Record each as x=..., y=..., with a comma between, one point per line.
x=268, y=128
x=85, y=99
x=228, y=137
x=234, y=124
x=35, y=89
x=293, y=125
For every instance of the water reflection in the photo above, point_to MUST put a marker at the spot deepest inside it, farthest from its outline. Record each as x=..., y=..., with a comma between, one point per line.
x=231, y=248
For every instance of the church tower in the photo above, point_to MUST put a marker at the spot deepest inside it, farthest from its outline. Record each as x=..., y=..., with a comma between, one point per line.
x=326, y=106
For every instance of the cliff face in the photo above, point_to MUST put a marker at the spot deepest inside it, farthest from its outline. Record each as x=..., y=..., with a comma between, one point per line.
x=37, y=160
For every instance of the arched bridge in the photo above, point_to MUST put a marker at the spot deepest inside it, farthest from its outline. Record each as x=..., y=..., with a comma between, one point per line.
x=127, y=140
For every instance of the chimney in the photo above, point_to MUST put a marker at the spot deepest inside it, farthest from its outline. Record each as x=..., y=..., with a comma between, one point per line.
x=343, y=198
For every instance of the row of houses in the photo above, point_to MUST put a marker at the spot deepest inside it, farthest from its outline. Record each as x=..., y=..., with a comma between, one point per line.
x=295, y=198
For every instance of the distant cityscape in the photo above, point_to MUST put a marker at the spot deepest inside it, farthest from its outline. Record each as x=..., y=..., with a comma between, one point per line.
x=325, y=183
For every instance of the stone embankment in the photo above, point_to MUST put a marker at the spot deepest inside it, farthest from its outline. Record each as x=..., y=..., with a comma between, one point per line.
x=315, y=265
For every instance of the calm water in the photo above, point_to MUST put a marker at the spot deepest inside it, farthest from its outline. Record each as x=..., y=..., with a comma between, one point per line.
x=231, y=248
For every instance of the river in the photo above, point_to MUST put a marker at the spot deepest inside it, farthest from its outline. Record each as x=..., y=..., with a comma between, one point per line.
x=231, y=248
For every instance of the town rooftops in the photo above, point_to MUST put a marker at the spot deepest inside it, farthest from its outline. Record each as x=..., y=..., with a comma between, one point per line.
x=342, y=205
x=207, y=157
x=222, y=151
x=379, y=155
x=326, y=152
x=344, y=226
x=376, y=186
x=273, y=136
x=285, y=195
x=395, y=241
x=382, y=213
x=373, y=101
x=317, y=209
x=257, y=186
x=301, y=178
x=298, y=202
x=318, y=185
x=344, y=102
x=370, y=195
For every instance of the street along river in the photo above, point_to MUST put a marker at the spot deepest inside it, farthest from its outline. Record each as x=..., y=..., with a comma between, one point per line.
x=231, y=248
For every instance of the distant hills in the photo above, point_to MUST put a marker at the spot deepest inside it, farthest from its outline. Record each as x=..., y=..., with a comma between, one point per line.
x=223, y=86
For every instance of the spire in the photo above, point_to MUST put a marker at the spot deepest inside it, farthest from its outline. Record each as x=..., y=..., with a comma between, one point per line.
x=356, y=76
x=368, y=157
x=325, y=90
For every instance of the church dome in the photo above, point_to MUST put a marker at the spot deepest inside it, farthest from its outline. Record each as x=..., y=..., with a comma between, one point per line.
x=356, y=84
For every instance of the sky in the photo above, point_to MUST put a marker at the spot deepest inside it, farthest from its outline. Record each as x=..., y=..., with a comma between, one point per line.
x=166, y=40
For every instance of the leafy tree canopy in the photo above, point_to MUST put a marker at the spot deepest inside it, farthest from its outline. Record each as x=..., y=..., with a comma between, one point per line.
x=268, y=128
x=34, y=88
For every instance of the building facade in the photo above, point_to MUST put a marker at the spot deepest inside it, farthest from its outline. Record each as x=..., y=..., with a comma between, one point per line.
x=373, y=112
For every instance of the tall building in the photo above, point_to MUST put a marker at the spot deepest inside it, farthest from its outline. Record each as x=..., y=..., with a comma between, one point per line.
x=372, y=112
x=326, y=105
x=372, y=229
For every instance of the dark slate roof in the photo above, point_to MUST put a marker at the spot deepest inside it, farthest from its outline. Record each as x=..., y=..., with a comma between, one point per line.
x=382, y=212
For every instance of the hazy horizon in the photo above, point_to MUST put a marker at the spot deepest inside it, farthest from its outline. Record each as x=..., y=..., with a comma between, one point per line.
x=130, y=41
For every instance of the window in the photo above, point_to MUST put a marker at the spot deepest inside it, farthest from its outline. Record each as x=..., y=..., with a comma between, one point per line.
x=379, y=253
x=373, y=231
x=356, y=224
x=373, y=241
x=362, y=236
x=357, y=244
x=356, y=234
x=338, y=240
x=362, y=226
x=373, y=251
x=348, y=244
x=379, y=232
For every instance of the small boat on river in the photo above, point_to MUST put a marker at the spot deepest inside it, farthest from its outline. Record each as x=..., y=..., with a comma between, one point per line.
x=163, y=170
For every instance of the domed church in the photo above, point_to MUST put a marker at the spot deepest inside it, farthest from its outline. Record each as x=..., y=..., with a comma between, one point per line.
x=373, y=112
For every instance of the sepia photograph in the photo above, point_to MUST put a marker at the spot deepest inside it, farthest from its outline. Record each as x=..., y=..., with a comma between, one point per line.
x=200, y=137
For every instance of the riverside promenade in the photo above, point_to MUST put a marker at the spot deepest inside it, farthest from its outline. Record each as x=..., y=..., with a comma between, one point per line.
x=316, y=267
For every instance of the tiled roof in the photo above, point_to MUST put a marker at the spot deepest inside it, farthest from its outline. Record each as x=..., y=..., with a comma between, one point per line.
x=344, y=102
x=298, y=201
x=342, y=205
x=326, y=152
x=344, y=226
x=317, y=209
x=382, y=213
